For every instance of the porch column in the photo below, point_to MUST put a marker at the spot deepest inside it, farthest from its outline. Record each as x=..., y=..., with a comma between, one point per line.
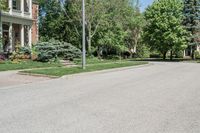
x=30, y=7
x=22, y=7
x=184, y=53
x=1, y=34
x=22, y=35
x=10, y=6
x=1, y=29
x=30, y=36
x=10, y=48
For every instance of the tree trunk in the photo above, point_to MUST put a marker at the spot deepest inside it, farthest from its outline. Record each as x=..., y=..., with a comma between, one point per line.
x=192, y=53
x=89, y=46
x=89, y=40
x=164, y=55
x=99, y=53
x=171, y=55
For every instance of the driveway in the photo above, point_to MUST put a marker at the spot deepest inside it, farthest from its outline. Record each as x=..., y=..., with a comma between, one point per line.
x=160, y=98
x=12, y=78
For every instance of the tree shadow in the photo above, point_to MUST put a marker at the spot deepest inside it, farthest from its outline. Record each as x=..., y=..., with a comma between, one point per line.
x=166, y=60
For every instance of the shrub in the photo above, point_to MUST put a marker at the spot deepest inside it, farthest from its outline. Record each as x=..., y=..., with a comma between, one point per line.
x=142, y=51
x=68, y=51
x=179, y=54
x=114, y=57
x=25, y=50
x=20, y=53
x=49, y=51
x=196, y=54
x=45, y=51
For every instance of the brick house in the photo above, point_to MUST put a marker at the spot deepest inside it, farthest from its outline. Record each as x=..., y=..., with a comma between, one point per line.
x=19, y=24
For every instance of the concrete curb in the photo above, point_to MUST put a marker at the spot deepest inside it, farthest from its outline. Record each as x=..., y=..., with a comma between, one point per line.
x=37, y=75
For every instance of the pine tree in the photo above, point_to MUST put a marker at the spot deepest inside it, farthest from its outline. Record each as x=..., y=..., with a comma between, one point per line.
x=192, y=23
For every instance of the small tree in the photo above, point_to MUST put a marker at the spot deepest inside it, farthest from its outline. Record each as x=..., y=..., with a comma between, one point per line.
x=164, y=30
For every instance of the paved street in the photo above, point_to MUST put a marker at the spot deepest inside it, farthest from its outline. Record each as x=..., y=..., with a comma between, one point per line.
x=160, y=98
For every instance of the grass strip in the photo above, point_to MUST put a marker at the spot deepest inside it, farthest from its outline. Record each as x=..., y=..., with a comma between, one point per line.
x=26, y=65
x=61, y=71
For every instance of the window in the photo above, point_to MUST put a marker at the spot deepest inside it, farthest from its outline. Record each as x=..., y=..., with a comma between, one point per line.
x=14, y=2
x=26, y=5
x=16, y=5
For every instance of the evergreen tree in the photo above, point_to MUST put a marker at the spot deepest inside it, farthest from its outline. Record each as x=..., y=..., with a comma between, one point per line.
x=192, y=17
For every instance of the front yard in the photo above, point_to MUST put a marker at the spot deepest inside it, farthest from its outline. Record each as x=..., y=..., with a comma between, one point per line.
x=8, y=65
x=61, y=71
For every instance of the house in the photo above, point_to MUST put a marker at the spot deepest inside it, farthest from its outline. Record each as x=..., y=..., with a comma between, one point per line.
x=19, y=24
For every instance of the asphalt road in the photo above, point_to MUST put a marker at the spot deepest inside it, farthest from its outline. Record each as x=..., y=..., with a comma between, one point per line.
x=160, y=98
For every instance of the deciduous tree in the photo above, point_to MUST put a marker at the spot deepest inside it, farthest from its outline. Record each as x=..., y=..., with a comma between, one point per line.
x=164, y=30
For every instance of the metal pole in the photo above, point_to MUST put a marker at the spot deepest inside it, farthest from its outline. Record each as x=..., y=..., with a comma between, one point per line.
x=83, y=39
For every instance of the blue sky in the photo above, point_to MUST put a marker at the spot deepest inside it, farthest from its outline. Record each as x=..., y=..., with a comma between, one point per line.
x=145, y=3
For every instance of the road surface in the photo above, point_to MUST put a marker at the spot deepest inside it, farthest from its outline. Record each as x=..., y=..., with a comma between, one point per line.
x=160, y=98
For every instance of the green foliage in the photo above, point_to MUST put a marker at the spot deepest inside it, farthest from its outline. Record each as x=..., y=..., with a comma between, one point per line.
x=191, y=21
x=179, y=54
x=3, y=5
x=26, y=64
x=50, y=51
x=142, y=51
x=196, y=54
x=112, y=25
x=46, y=51
x=164, y=30
x=20, y=53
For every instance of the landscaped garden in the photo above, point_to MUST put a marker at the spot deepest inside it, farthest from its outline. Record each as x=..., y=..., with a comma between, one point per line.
x=47, y=58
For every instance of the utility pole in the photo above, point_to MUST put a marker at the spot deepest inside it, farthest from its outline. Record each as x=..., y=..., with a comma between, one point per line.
x=83, y=39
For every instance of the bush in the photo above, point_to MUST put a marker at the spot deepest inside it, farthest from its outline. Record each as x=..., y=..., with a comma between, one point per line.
x=20, y=53
x=45, y=51
x=113, y=57
x=155, y=55
x=196, y=54
x=25, y=50
x=179, y=54
x=142, y=51
x=49, y=51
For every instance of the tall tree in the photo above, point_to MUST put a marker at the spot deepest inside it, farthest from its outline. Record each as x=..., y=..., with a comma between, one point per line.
x=164, y=30
x=192, y=22
x=50, y=12
x=107, y=22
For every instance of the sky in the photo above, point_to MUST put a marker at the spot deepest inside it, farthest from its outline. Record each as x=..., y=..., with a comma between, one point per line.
x=145, y=3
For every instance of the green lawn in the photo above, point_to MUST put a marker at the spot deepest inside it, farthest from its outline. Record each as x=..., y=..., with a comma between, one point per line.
x=94, y=67
x=26, y=65
x=95, y=61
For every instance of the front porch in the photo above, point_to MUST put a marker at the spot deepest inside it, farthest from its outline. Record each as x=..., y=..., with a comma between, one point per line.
x=14, y=34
